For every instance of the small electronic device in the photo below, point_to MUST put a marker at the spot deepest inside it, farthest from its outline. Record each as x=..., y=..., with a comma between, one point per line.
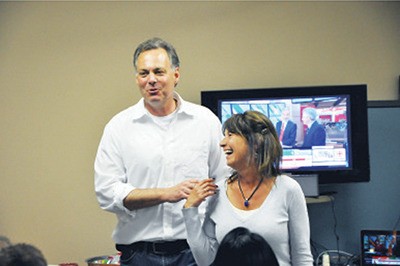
x=380, y=247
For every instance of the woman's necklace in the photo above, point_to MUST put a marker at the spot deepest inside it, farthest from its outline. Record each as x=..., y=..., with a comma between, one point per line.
x=246, y=201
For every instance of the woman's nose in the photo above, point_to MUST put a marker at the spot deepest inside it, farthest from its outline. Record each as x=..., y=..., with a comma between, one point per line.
x=222, y=143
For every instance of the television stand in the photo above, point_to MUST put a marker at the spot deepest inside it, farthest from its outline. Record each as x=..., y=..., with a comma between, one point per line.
x=319, y=199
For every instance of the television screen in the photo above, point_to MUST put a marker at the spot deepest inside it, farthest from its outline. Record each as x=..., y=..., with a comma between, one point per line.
x=380, y=247
x=323, y=130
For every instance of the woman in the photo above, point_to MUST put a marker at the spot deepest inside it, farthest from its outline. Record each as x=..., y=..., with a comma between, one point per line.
x=255, y=196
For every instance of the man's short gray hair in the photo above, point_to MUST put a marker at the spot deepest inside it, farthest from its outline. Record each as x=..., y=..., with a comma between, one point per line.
x=156, y=43
x=311, y=112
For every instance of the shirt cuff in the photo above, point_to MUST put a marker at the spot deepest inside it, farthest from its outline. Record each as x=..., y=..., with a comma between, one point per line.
x=121, y=191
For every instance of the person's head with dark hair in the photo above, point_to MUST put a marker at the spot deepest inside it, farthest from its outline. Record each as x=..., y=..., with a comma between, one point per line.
x=242, y=247
x=22, y=255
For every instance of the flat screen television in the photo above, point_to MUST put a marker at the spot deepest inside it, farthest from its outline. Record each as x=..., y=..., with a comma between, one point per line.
x=341, y=152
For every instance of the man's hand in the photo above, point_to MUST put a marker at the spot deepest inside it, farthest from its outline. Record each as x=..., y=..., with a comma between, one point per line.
x=200, y=192
x=180, y=191
x=143, y=198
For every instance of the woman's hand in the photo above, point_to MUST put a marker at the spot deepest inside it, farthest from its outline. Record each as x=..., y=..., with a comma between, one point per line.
x=200, y=192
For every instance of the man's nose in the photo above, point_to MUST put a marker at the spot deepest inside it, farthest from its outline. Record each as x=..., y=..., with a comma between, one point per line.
x=152, y=79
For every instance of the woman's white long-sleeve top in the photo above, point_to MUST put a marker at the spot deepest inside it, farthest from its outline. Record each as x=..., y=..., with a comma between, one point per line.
x=282, y=220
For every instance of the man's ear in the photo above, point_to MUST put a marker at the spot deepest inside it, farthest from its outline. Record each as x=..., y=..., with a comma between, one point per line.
x=177, y=75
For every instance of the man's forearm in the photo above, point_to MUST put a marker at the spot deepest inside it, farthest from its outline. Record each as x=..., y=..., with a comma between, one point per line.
x=143, y=198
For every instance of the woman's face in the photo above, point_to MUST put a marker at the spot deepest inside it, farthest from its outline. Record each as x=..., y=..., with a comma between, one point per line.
x=236, y=150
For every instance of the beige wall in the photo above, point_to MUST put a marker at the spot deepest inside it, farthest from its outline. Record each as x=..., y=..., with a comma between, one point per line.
x=65, y=70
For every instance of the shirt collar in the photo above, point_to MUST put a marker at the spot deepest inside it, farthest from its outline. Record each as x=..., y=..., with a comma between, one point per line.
x=142, y=113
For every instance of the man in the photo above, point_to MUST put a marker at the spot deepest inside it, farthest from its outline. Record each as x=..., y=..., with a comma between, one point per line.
x=315, y=134
x=150, y=157
x=286, y=129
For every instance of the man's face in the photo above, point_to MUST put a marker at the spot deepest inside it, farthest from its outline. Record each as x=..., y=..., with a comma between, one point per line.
x=156, y=78
x=306, y=119
x=285, y=115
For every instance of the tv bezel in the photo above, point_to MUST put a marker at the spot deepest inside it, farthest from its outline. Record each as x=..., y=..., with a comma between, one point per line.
x=358, y=117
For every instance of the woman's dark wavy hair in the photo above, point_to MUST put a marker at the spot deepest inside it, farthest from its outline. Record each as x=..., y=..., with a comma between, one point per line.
x=264, y=146
x=244, y=248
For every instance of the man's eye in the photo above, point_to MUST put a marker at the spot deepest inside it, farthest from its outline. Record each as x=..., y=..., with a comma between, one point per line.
x=142, y=74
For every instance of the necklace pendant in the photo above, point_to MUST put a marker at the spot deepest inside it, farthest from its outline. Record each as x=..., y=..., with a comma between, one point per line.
x=246, y=203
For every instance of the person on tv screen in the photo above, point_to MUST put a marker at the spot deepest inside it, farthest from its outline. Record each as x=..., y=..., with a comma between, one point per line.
x=256, y=196
x=286, y=129
x=150, y=157
x=315, y=134
x=242, y=247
